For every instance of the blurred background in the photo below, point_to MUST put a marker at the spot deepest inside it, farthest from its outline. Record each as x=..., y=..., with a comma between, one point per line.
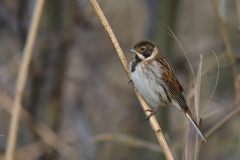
x=77, y=101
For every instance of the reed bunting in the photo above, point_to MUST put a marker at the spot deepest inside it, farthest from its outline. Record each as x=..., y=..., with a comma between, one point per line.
x=154, y=78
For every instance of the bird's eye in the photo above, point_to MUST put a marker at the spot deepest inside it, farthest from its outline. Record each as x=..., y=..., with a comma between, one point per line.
x=143, y=49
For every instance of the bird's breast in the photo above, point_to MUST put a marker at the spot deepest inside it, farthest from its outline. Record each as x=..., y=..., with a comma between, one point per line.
x=147, y=77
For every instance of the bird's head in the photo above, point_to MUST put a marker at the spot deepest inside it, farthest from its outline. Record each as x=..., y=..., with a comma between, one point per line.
x=146, y=51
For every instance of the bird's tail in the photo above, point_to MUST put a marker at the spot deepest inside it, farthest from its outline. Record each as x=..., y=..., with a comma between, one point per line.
x=190, y=117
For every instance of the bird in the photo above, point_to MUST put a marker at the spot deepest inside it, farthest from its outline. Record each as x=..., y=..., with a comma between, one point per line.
x=154, y=78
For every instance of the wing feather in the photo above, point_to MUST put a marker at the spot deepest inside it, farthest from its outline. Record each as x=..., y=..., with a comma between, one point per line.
x=175, y=89
x=176, y=92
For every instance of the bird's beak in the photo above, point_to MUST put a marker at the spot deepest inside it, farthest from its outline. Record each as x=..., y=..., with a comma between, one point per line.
x=132, y=50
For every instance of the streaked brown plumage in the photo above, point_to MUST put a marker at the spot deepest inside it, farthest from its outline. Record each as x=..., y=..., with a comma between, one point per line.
x=154, y=78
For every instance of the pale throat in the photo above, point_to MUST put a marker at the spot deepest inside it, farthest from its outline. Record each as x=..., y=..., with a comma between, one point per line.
x=155, y=55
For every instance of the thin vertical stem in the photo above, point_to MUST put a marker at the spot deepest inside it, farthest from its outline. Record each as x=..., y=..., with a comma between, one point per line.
x=21, y=80
x=228, y=52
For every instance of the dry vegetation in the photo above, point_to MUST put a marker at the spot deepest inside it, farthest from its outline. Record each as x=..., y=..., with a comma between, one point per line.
x=76, y=103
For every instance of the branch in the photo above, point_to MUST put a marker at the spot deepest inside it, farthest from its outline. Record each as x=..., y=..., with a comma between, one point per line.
x=144, y=104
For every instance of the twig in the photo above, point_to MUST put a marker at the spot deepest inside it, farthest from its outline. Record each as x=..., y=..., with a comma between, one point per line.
x=173, y=35
x=228, y=52
x=218, y=111
x=47, y=135
x=144, y=104
x=215, y=127
x=127, y=140
x=214, y=86
x=21, y=80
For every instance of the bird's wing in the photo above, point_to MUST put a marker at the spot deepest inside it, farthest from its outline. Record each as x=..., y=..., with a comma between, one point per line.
x=175, y=89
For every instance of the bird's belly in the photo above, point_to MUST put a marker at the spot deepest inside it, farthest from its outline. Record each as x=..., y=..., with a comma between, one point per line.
x=148, y=85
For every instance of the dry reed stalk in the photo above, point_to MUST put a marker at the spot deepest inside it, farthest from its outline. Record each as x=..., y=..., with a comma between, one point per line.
x=31, y=151
x=47, y=135
x=193, y=145
x=197, y=89
x=145, y=106
x=127, y=140
x=221, y=122
x=218, y=111
x=21, y=80
x=197, y=94
x=228, y=52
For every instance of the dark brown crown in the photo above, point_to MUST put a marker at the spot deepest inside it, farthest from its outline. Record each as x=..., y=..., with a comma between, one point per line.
x=145, y=43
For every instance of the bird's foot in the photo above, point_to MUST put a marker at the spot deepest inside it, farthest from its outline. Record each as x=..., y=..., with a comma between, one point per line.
x=150, y=115
x=129, y=82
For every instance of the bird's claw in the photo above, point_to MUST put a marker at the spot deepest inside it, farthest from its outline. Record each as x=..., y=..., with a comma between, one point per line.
x=129, y=82
x=149, y=110
x=150, y=115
